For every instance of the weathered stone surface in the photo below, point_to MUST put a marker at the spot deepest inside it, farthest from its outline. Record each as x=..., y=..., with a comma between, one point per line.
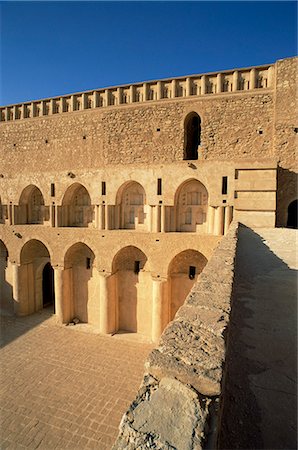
x=172, y=412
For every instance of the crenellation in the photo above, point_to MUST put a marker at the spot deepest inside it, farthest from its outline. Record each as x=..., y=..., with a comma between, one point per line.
x=261, y=77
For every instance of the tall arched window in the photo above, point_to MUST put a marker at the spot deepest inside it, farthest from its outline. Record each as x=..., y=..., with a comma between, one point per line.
x=192, y=135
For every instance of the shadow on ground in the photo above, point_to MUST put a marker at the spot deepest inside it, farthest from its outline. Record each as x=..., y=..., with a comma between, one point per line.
x=260, y=390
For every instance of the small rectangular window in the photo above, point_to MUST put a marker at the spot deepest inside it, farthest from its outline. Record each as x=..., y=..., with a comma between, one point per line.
x=224, y=189
x=88, y=263
x=191, y=272
x=52, y=190
x=137, y=267
x=159, y=186
x=103, y=188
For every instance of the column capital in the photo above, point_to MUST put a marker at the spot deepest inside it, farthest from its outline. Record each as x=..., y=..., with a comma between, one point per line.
x=160, y=278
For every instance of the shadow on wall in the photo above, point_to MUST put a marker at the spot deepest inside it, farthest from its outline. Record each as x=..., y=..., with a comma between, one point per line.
x=287, y=182
x=259, y=394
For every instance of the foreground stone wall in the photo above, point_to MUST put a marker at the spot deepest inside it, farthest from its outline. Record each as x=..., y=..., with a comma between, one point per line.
x=177, y=404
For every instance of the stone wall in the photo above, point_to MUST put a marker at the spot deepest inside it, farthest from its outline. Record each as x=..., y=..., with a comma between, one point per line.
x=177, y=405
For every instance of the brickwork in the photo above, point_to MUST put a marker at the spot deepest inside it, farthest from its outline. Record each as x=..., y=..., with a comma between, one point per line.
x=64, y=388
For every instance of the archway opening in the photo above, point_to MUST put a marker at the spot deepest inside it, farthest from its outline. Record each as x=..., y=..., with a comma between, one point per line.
x=183, y=272
x=192, y=135
x=130, y=212
x=133, y=291
x=6, y=295
x=191, y=203
x=292, y=215
x=77, y=210
x=80, y=294
x=31, y=208
x=48, y=290
x=34, y=258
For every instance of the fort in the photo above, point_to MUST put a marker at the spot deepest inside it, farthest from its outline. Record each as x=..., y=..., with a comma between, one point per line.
x=114, y=200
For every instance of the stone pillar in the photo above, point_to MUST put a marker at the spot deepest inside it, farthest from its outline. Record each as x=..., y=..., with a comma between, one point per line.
x=174, y=84
x=219, y=83
x=16, y=288
x=23, y=111
x=52, y=106
x=270, y=76
x=106, y=217
x=132, y=93
x=13, y=214
x=145, y=92
x=219, y=220
x=84, y=101
x=9, y=213
x=252, y=79
x=162, y=218
x=100, y=216
x=210, y=219
x=149, y=220
x=157, y=308
x=235, y=80
x=72, y=103
x=96, y=216
x=159, y=90
x=103, y=303
x=106, y=98
x=228, y=218
x=56, y=216
x=188, y=87
x=119, y=96
x=203, y=84
x=95, y=99
x=58, y=281
x=52, y=214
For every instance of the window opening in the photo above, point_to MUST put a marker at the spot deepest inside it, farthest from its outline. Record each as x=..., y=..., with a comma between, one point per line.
x=159, y=186
x=192, y=133
x=88, y=263
x=191, y=272
x=52, y=190
x=103, y=188
x=224, y=188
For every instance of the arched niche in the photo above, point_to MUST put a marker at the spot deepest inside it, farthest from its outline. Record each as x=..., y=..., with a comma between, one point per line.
x=6, y=281
x=192, y=136
x=33, y=258
x=80, y=284
x=292, y=215
x=183, y=272
x=130, y=207
x=76, y=210
x=132, y=282
x=191, y=203
x=31, y=208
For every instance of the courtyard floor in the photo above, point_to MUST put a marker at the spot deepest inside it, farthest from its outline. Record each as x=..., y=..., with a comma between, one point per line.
x=64, y=387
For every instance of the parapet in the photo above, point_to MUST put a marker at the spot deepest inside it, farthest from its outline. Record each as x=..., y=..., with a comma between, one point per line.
x=228, y=81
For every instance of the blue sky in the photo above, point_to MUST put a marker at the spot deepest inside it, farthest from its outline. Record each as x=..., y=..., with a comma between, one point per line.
x=53, y=48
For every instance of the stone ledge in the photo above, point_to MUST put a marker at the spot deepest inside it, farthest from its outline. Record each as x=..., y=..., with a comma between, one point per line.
x=181, y=389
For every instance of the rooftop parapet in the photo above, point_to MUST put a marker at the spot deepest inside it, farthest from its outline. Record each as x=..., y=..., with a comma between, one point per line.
x=228, y=81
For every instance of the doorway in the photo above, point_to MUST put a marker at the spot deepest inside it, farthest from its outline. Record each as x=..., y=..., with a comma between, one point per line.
x=292, y=215
x=48, y=290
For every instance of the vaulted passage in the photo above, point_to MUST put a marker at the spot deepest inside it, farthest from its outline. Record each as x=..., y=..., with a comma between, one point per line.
x=133, y=290
x=48, y=290
x=292, y=215
x=183, y=273
x=79, y=283
x=6, y=300
x=191, y=202
x=36, y=278
x=31, y=208
x=76, y=210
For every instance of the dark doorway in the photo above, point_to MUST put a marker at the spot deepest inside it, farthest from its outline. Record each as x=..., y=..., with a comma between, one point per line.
x=48, y=291
x=192, y=136
x=292, y=215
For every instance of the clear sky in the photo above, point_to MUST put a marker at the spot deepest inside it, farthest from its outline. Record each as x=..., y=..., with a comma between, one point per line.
x=53, y=48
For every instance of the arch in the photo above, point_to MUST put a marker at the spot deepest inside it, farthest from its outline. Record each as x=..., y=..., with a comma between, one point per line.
x=80, y=277
x=31, y=208
x=132, y=282
x=191, y=203
x=33, y=259
x=130, y=206
x=183, y=272
x=6, y=295
x=76, y=210
x=192, y=135
x=292, y=215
